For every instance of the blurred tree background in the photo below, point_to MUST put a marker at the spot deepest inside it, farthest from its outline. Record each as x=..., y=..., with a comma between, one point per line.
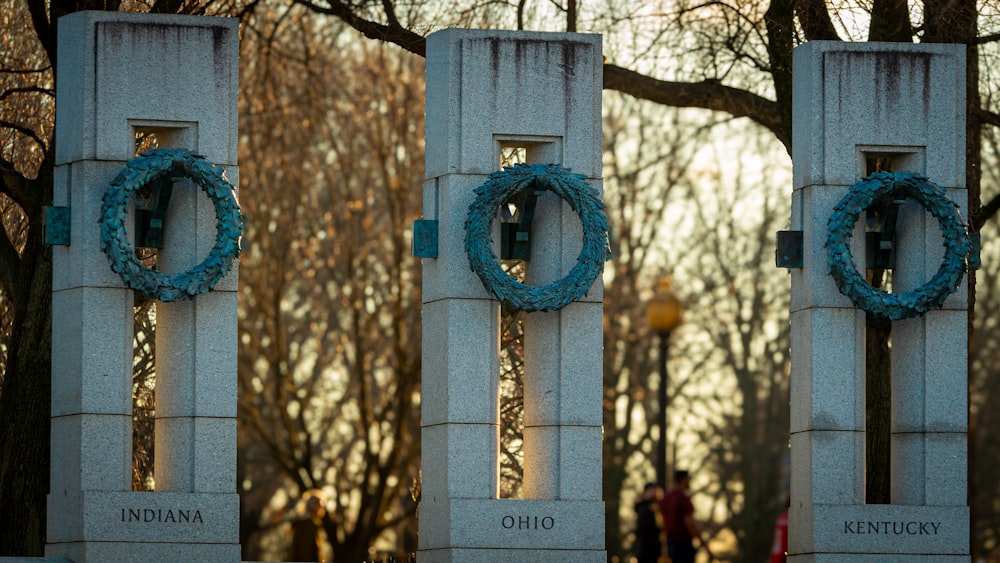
x=330, y=297
x=331, y=168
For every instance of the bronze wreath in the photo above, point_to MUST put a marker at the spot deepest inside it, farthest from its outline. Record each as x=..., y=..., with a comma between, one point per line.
x=500, y=188
x=838, y=244
x=114, y=238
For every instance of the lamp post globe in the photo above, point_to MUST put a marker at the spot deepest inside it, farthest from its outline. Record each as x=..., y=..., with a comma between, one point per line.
x=664, y=313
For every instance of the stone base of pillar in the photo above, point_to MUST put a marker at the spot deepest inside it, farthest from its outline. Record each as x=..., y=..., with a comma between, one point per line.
x=464, y=555
x=117, y=527
x=885, y=533
x=522, y=526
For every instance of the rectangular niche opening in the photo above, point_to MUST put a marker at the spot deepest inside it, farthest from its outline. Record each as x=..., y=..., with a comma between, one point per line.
x=878, y=331
x=143, y=394
x=511, y=151
x=157, y=134
x=147, y=135
x=515, y=248
x=529, y=149
x=880, y=259
x=511, y=392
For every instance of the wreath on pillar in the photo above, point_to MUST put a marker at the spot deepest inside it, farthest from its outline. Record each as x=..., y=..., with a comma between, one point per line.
x=504, y=185
x=143, y=170
x=851, y=283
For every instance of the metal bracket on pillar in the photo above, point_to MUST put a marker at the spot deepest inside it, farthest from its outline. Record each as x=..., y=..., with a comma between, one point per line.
x=788, y=250
x=515, y=233
x=57, y=225
x=151, y=208
x=425, y=238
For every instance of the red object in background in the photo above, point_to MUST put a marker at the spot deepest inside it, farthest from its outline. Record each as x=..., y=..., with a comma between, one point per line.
x=779, y=548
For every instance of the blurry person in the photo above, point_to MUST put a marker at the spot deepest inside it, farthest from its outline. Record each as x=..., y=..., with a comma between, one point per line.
x=648, y=545
x=306, y=539
x=779, y=548
x=678, y=521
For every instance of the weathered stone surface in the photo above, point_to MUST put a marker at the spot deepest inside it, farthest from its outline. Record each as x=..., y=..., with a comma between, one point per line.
x=187, y=67
x=904, y=103
x=828, y=359
x=474, y=78
x=877, y=97
x=184, y=64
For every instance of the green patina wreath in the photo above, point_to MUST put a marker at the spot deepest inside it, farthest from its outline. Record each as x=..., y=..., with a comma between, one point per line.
x=501, y=187
x=838, y=244
x=139, y=172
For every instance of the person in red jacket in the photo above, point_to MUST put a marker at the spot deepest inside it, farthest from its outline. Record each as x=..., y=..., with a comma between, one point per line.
x=779, y=549
x=678, y=521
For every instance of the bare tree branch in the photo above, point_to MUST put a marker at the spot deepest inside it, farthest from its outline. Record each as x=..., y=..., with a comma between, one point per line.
x=707, y=94
x=984, y=39
x=392, y=33
x=26, y=132
x=14, y=184
x=24, y=70
x=986, y=212
x=28, y=89
x=989, y=118
x=991, y=207
x=390, y=13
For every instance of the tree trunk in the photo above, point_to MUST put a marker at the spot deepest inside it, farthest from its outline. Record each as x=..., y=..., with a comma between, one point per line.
x=25, y=407
x=892, y=21
x=878, y=396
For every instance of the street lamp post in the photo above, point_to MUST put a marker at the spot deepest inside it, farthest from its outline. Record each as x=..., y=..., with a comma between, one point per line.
x=663, y=312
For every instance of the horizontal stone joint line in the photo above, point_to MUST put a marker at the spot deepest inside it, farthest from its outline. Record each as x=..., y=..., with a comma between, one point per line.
x=454, y=298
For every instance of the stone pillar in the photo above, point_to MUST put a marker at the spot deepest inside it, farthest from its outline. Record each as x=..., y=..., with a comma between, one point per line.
x=906, y=103
x=175, y=77
x=542, y=92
